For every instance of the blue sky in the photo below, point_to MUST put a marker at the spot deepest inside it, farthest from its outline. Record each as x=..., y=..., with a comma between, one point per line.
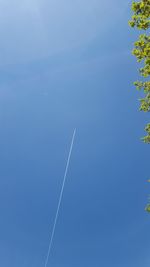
x=65, y=65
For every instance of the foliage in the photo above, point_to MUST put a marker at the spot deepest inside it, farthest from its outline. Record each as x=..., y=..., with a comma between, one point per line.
x=141, y=20
x=141, y=16
x=146, y=138
x=147, y=208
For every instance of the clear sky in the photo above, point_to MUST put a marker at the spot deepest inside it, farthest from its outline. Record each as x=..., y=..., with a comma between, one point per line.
x=67, y=64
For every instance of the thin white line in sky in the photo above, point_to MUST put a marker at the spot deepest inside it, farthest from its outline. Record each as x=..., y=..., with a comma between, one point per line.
x=60, y=199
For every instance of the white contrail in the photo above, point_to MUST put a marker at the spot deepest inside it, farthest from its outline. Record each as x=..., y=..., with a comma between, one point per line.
x=60, y=198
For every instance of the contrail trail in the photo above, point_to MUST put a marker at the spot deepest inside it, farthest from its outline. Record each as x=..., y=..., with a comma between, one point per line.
x=60, y=198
